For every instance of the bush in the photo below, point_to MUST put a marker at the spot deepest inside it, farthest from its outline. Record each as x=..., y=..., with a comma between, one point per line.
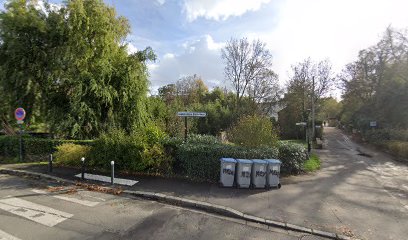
x=253, y=131
x=201, y=161
x=293, y=156
x=397, y=148
x=69, y=154
x=139, y=152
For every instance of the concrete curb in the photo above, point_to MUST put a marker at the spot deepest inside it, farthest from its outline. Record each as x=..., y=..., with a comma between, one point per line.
x=188, y=203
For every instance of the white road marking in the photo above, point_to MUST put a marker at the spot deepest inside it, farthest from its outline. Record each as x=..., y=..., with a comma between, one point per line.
x=120, y=181
x=6, y=236
x=34, y=212
x=69, y=199
x=98, y=198
x=405, y=186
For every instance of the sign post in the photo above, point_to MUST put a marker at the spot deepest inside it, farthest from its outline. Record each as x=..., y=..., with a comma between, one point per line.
x=189, y=114
x=20, y=114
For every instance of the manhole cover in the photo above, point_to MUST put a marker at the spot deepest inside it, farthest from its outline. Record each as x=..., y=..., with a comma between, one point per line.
x=311, y=237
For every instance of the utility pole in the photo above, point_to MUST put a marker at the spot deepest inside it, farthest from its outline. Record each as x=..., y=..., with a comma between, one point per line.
x=313, y=108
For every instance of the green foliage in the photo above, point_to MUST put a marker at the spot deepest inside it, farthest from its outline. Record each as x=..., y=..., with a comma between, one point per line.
x=201, y=161
x=397, y=148
x=71, y=66
x=34, y=149
x=312, y=164
x=293, y=156
x=253, y=131
x=69, y=154
x=137, y=152
x=376, y=84
x=202, y=139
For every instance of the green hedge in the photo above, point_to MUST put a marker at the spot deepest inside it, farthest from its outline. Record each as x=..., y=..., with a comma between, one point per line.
x=34, y=149
x=201, y=161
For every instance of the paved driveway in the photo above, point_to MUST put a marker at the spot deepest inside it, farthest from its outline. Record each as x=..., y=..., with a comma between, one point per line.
x=352, y=194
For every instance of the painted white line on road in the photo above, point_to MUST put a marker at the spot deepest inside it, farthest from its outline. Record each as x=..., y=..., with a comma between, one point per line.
x=69, y=199
x=6, y=236
x=98, y=198
x=120, y=181
x=405, y=186
x=34, y=212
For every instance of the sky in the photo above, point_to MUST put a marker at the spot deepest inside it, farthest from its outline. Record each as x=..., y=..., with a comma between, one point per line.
x=188, y=35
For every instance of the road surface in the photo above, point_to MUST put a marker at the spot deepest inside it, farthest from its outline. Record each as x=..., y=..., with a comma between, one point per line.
x=30, y=211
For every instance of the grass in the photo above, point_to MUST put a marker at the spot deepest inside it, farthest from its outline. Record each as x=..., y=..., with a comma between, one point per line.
x=312, y=164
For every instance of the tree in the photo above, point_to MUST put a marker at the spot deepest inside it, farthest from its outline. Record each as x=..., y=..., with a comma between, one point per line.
x=375, y=86
x=307, y=79
x=246, y=64
x=71, y=65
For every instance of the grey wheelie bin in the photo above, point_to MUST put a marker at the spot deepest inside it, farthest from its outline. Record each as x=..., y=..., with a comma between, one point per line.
x=258, y=176
x=227, y=172
x=243, y=173
x=272, y=173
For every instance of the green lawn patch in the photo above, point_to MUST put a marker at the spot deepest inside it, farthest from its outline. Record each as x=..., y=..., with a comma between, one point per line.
x=312, y=164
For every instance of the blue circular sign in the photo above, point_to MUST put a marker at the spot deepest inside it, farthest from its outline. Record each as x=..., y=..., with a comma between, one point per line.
x=20, y=114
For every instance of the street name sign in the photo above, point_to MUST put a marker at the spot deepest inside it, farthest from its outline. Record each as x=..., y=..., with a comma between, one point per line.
x=192, y=114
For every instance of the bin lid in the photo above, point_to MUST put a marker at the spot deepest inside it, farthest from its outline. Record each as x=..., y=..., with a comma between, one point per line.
x=259, y=161
x=244, y=161
x=230, y=160
x=275, y=161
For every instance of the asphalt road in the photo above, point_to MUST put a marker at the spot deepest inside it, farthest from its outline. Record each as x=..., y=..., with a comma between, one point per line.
x=28, y=210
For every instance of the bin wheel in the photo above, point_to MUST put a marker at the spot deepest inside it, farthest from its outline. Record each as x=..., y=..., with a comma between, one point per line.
x=238, y=186
x=251, y=186
x=279, y=186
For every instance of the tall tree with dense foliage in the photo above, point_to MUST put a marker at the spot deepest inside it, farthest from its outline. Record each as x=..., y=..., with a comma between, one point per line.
x=71, y=64
x=375, y=86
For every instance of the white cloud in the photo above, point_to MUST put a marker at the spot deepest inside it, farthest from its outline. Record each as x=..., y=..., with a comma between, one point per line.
x=329, y=29
x=161, y=2
x=201, y=56
x=219, y=9
x=131, y=48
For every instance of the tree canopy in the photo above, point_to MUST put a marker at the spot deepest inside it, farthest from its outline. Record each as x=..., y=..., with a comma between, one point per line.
x=70, y=65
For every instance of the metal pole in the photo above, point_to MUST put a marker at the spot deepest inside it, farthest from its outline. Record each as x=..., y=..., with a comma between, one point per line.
x=313, y=109
x=185, y=129
x=50, y=164
x=83, y=168
x=21, y=144
x=112, y=171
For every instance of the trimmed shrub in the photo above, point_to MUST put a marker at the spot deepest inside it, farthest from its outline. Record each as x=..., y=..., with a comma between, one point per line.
x=69, y=154
x=201, y=161
x=293, y=156
x=253, y=131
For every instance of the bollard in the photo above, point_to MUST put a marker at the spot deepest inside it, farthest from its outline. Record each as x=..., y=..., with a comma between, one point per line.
x=83, y=168
x=50, y=163
x=113, y=171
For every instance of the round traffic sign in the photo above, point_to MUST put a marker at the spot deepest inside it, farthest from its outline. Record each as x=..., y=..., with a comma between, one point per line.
x=20, y=114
